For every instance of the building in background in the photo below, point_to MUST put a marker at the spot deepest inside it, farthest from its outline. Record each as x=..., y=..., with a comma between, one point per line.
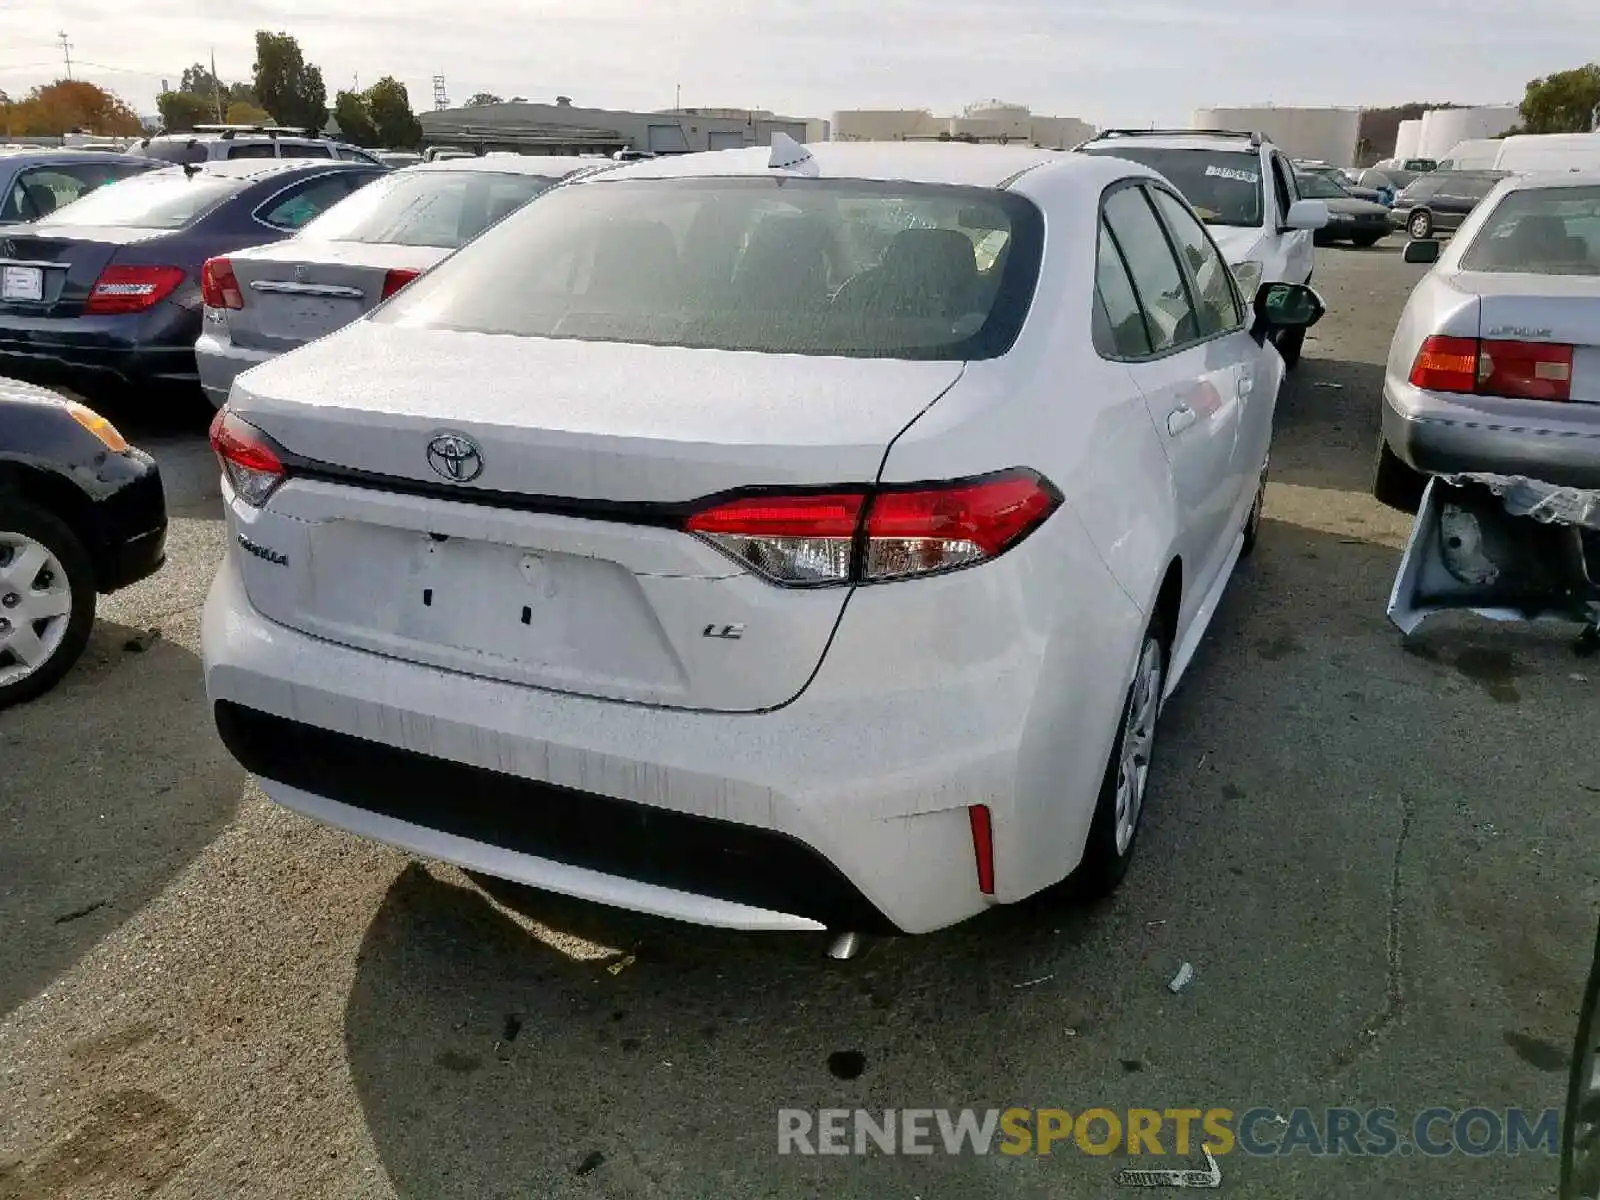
x=1443, y=129
x=1323, y=134
x=986, y=121
x=564, y=128
x=1408, y=141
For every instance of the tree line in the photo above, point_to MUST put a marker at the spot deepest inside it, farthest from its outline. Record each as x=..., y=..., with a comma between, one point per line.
x=283, y=89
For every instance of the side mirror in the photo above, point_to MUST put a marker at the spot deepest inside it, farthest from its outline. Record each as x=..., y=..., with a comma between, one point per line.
x=1306, y=214
x=1281, y=306
x=1422, y=250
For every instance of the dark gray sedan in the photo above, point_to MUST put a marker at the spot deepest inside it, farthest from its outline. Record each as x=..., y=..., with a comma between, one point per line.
x=1350, y=218
x=1441, y=201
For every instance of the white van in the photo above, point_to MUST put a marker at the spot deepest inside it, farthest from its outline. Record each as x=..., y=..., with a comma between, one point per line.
x=1526, y=152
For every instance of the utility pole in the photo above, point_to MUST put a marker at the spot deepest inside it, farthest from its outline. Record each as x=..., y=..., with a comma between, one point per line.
x=216, y=87
x=66, y=49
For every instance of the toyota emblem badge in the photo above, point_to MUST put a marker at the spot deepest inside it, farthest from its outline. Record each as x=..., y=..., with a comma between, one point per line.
x=455, y=457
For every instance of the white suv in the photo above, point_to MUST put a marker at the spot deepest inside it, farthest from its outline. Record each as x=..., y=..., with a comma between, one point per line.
x=1244, y=189
x=220, y=143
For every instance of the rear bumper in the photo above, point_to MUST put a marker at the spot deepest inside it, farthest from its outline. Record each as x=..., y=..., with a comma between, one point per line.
x=219, y=360
x=1442, y=435
x=152, y=347
x=845, y=809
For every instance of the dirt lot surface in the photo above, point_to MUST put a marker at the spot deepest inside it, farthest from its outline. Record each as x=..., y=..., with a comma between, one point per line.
x=1378, y=858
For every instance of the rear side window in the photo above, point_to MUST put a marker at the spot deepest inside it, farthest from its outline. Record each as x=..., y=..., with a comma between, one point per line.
x=305, y=202
x=785, y=265
x=428, y=208
x=1540, y=231
x=1163, y=294
x=1119, y=330
x=157, y=200
x=252, y=150
x=302, y=150
x=173, y=150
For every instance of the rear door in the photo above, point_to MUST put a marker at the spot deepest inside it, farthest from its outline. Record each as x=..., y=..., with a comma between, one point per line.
x=1190, y=380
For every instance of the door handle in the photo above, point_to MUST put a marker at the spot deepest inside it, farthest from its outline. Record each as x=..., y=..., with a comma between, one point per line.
x=1180, y=419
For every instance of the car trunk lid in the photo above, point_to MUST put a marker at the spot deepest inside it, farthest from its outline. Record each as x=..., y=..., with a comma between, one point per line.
x=49, y=272
x=297, y=291
x=558, y=560
x=1559, y=309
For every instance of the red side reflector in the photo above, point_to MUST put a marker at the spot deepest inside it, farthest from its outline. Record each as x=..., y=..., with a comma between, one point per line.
x=1446, y=364
x=219, y=287
x=1525, y=370
x=132, y=289
x=983, y=847
x=396, y=279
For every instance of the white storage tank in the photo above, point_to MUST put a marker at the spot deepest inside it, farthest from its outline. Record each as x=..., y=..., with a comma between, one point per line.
x=1324, y=134
x=1408, y=140
x=1443, y=129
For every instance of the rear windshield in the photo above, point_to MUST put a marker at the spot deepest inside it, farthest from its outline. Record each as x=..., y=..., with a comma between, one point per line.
x=427, y=208
x=1222, y=186
x=157, y=200
x=786, y=265
x=1540, y=231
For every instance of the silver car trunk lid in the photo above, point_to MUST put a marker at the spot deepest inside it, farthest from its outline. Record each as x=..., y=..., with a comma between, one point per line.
x=1563, y=309
x=558, y=559
x=299, y=290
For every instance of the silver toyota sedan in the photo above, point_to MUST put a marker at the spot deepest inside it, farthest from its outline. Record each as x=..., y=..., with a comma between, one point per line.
x=1495, y=366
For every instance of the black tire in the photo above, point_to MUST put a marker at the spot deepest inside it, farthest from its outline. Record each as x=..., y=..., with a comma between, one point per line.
x=1290, y=344
x=1396, y=484
x=42, y=526
x=1580, y=1162
x=1420, y=223
x=1104, y=866
x=1252, y=523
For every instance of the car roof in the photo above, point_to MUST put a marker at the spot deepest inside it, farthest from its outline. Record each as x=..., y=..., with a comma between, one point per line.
x=1552, y=179
x=514, y=164
x=44, y=156
x=901, y=162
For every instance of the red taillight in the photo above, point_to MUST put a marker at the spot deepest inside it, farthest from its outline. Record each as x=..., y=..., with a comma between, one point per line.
x=861, y=537
x=1527, y=370
x=983, y=846
x=395, y=279
x=219, y=286
x=131, y=289
x=248, y=459
x=1520, y=370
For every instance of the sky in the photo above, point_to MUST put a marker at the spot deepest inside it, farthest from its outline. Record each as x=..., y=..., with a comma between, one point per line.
x=1109, y=62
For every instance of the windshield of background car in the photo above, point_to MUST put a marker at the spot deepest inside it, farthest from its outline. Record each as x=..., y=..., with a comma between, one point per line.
x=427, y=208
x=1223, y=187
x=1540, y=231
x=1421, y=189
x=1320, y=187
x=783, y=266
x=158, y=200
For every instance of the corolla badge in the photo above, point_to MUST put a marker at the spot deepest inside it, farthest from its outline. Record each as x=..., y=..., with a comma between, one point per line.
x=455, y=457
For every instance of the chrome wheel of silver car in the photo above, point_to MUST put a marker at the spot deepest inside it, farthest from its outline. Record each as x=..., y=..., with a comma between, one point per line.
x=1421, y=224
x=1138, y=741
x=35, y=606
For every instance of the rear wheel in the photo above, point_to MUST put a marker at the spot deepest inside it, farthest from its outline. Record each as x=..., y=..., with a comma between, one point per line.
x=1109, y=849
x=1396, y=484
x=47, y=599
x=1421, y=224
x=1252, y=525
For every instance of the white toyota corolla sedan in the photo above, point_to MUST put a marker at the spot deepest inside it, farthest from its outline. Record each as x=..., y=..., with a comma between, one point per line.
x=777, y=539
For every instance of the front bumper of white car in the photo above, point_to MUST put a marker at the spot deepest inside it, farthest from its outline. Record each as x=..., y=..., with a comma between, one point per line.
x=847, y=809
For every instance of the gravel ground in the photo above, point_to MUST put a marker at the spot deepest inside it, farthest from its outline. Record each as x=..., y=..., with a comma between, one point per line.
x=1378, y=858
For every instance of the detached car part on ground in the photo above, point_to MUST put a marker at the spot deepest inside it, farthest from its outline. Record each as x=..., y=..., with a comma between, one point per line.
x=81, y=513
x=715, y=537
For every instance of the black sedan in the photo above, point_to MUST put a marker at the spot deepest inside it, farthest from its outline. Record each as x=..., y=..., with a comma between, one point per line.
x=81, y=513
x=1439, y=202
x=108, y=288
x=1362, y=222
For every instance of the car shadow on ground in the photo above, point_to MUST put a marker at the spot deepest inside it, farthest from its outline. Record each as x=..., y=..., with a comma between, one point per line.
x=131, y=794
x=1328, y=420
x=506, y=1041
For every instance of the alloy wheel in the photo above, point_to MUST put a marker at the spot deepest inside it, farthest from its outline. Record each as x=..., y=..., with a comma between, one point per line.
x=1138, y=741
x=35, y=606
